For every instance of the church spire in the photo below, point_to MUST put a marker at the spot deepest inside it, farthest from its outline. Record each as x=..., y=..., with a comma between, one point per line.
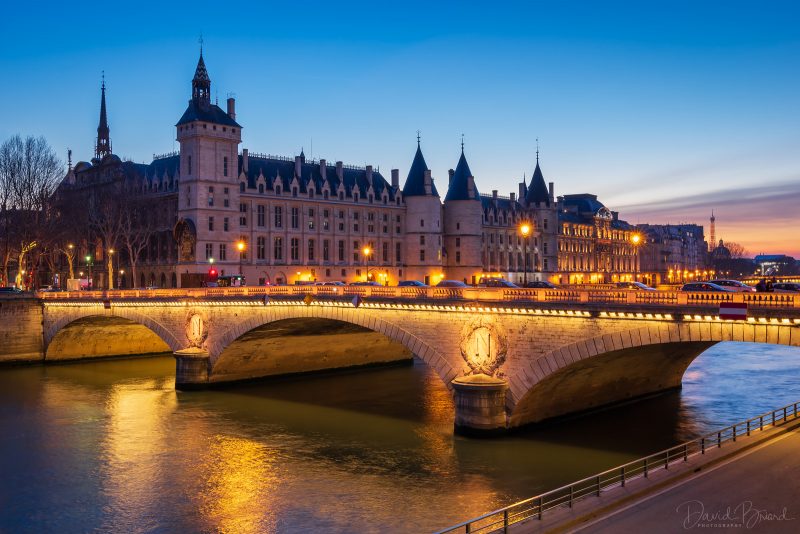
x=201, y=83
x=103, y=145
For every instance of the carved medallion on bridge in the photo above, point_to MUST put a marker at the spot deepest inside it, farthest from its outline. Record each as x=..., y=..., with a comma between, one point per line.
x=484, y=346
x=196, y=329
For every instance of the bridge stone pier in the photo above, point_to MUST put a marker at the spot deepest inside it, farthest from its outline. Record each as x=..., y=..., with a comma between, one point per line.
x=507, y=364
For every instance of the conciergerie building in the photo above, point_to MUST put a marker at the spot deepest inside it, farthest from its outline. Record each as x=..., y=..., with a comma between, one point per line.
x=292, y=219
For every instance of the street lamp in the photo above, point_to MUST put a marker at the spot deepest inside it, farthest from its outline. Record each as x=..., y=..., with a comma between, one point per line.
x=89, y=264
x=525, y=232
x=110, y=268
x=119, y=279
x=240, y=246
x=636, y=239
x=70, y=253
x=366, y=251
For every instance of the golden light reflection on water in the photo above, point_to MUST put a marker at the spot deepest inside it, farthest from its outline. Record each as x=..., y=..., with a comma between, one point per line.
x=240, y=481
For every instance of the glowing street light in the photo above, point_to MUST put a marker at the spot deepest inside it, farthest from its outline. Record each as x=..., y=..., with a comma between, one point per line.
x=525, y=232
x=636, y=239
x=240, y=246
x=366, y=251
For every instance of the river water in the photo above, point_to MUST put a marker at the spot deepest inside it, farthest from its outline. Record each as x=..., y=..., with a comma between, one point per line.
x=112, y=447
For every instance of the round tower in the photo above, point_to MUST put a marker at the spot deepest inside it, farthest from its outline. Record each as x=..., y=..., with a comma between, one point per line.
x=463, y=218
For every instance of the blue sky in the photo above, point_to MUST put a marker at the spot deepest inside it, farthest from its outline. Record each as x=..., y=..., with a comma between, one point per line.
x=665, y=110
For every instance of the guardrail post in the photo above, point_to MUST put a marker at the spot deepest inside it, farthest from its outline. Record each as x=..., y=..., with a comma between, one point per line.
x=505, y=520
x=598, y=485
x=540, y=508
x=795, y=409
x=761, y=422
x=702, y=445
x=734, y=433
x=685, y=452
x=571, y=496
x=645, y=468
x=467, y=529
x=773, y=418
x=666, y=460
x=784, y=414
x=719, y=439
x=748, y=427
x=622, y=474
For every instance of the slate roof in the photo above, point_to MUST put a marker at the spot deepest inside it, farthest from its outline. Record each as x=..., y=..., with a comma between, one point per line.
x=415, y=182
x=583, y=203
x=280, y=171
x=459, y=183
x=210, y=113
x=537, y=190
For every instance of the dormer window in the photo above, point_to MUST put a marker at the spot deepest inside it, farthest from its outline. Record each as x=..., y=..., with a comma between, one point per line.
x=325, y=194
x=278, y=190
x=341, y=195
x=310, y=193
x=294, y=191
x=261, y=188
x=241, y=187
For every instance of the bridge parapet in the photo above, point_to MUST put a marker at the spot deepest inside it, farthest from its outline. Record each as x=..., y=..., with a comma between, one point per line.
x=596, y=296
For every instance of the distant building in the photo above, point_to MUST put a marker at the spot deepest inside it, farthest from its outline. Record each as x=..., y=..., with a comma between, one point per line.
x=594, y=244
x=775, y=264
x=673, y=253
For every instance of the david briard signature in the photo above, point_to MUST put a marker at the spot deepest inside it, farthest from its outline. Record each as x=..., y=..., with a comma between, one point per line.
x=743, y=514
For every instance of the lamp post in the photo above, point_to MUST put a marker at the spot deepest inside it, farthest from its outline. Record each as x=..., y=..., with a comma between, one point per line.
x=89, y=264
x=366, y=251
x=119, y=278
x=525, y=232
x=240, y=246
x=70, y=254
x=110, y=268
x=636, y=239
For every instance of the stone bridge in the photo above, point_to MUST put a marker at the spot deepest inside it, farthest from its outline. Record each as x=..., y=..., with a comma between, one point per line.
x=507, y=362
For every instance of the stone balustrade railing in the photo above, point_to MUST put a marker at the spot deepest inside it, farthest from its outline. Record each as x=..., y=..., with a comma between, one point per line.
x=582, y=296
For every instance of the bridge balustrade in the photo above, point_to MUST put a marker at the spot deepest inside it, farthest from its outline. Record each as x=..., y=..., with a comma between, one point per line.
x=593, y=296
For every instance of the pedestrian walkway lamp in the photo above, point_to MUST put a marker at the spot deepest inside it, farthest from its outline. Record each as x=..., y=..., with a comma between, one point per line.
x=241, y=246
x=89, y=264
x=525, y=232
x=636, y=239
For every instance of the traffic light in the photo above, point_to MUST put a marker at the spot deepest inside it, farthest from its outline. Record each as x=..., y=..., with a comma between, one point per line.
x=212, y=273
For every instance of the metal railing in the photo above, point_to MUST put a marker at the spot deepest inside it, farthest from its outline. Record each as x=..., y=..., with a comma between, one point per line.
x=584, y=296
x=566, y=496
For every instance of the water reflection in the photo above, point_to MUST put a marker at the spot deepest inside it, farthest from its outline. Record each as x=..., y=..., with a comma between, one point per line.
x=111, y=446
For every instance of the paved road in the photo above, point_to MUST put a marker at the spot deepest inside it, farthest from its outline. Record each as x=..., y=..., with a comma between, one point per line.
x=758, y=491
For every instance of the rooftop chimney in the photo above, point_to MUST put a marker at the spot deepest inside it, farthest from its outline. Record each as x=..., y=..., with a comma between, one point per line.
x=232, y=108
x=521, y=191
x=323, y=169
x=339, y=171
x=396, y=178
x=369, y=174
x=245, y=154
x=450, y=174
x=494, y=194
x=550, y=189
x=298, y=166
x=471, y=187
x=513, y=197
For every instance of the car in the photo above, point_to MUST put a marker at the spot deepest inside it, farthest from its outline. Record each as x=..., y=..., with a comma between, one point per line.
x=636, y=286
x=368, y=283
x=451, y=283
x=410, y=283
x=335, y=283
x=10, y=289
x=496, y=282
x=540, y=284
x=734, y=285
x=705, y=286
x=786, y=287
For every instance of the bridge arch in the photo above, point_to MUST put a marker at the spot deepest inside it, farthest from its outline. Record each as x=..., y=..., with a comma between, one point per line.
x=151, y=336
x=624, y=364
x=393, y=331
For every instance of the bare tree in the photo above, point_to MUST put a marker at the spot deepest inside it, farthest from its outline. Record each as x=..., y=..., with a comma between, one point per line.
x=29, y=174
x=136, y=229
x=105, y=220
x=736, y=250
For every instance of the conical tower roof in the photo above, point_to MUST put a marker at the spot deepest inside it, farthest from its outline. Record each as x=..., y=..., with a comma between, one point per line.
x=537, y=190
x=415, y=182
x=459, y=184
x=103, y=143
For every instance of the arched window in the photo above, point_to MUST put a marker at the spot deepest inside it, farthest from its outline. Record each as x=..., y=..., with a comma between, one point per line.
x=241, y=187
x=261, y=188
x=225, y=166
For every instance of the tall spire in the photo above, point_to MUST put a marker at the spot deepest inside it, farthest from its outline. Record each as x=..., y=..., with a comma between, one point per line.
x=201, y=83
x=103, y=145
x=713, y=243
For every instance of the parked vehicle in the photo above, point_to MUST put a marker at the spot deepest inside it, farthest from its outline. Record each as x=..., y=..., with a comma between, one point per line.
x=541, y=284
x=451, y=283
x=335, y=283
x=636, y=286
x=231, y=280
x=786, y=287
x=734, y=285
x=410, y=283
x=10, y=289
x=705, y=286
x=368, y=283
x=496, y=282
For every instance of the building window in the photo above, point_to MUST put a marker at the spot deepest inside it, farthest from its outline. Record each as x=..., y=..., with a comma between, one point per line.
x=211, y=198
x=223, y=252
x=277, y=251
x=225, y=224
x=422, y=254
x=310, y=250
x=458, y=257
x=294, y=192
x=326, y=255
x=422, y=240
x=261, y=247
x=211, y=224
x=225, y=166
x=544, y=247
x=311, y=219
x=189, y=165
x=243, y=252
x=242, y=214
x=295, y=217
x=209, y=250
x=385, y=252
x=458, y=241
x=261, y=188
x=278, y=217
x=422, y=223
x=295, y=249
x=341, y=250
x=241, y=187
x=261, y=215
x=544, y=224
